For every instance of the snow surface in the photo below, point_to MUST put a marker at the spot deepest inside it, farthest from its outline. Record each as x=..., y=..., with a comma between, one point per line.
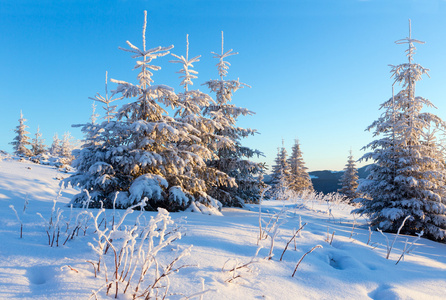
x=346, y=269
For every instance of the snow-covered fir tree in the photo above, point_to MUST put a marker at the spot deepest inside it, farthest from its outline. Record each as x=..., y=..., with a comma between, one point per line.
x=280, y=175
x=66, y=148
x=235, y=160
x=299, y=179
x=90, y=130
x=205, y=142
x=38, y=144
x=408, y=175
x=21, y=140
x=55, y=148
x=139, y=155
x=349, y=179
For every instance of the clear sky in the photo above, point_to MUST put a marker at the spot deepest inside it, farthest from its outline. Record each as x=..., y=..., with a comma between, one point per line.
x=318, y=68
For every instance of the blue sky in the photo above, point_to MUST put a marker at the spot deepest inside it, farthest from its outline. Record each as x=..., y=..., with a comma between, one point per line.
x=318, y=68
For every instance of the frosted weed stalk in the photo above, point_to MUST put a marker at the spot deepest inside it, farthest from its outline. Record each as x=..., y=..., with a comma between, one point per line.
x=53, y=224
x=240, y=270
x=390, y=246
x=18, y=219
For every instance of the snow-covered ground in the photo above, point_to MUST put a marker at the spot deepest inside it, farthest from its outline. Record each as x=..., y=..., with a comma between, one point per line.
x=347, y=268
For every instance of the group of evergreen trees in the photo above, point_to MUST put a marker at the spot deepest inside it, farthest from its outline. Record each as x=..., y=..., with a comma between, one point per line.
x=289, y=174
x=26, y=147
x=193, y=159
x=408, y=174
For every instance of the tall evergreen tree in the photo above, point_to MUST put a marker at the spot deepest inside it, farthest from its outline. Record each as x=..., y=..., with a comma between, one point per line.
x=205, y=141
x=299, y=179
x=21, y=140
x=235, y=160
x=349, y=180
x=409, y=176
x=280, y=177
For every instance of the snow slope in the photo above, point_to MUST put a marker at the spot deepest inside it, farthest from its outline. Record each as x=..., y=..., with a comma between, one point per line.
x=346, y=269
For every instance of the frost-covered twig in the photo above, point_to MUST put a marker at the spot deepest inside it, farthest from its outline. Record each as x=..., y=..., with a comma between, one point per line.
x=389, y=247
x=18, y=219
x=312, y=249
x=370, y=236
x=25, y=205
x=81, y=220
x=53, y=225
x=332, y=236
x=353, y=227
x=328, y=239
x=273, y=233
x=237, y=266
x=261, y=232
x=292, y=238
x=408, y=249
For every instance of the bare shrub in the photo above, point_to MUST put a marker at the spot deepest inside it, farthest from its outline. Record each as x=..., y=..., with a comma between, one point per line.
x=136, y=266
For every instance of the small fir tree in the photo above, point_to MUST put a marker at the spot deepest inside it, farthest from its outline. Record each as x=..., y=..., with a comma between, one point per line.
x=299, y=179
x=21, y=141
x=66, y=148
x=90, y=130
x=55, y=148
x=37, y=145
x=409, y=175
x=280, y=175
x=349, y=180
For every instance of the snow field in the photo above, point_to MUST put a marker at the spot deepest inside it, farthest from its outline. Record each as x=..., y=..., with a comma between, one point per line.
x=347, y=268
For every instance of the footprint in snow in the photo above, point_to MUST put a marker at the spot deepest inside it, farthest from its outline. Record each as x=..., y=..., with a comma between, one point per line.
x=384, y=291
x=39, y=274
x=343, y=262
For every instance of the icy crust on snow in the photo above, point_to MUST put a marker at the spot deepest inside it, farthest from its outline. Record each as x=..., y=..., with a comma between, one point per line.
x=348, y=268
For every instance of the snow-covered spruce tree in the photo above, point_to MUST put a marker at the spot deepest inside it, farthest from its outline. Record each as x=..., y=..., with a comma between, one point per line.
x=233, y=160
x=299, y=179
x=66, y=148
x=349, y=180
x=21, y=141
x=37, y=145
x=55, y=148
x=408, y=176
x=94, y=168
x=280, y=175
x=92, y=129
x=89, y=130
x=138, y=156
x=205, y=142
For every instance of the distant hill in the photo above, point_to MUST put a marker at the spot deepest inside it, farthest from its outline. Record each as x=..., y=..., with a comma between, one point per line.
x=327, y=181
